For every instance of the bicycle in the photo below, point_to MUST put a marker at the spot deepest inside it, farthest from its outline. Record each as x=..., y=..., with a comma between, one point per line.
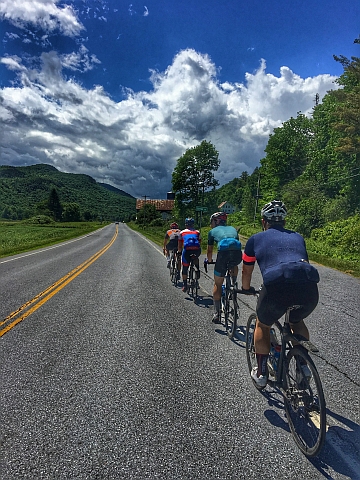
x=174, y=267
x=229, y=304
x=192, y=281
x=294, y=373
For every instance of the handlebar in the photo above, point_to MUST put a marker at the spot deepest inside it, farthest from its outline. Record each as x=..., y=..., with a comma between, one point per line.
x=206, y=263
x=238, y=290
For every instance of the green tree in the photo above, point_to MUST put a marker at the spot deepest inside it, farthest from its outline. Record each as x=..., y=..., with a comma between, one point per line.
x=287, y=154
x=71, y=212
x=54, y=205
x=193, y=176
x=147, y=214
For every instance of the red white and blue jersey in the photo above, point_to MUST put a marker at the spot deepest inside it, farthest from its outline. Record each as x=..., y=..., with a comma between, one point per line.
x=190, y=239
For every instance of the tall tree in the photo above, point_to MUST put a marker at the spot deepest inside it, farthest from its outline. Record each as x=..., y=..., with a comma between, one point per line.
x=193, y=176
x=54, y=205
x=287, y=154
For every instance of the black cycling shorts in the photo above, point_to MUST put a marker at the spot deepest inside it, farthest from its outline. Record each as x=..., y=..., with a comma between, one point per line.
x=172, y=245
x=274, y=300
x=233, y=257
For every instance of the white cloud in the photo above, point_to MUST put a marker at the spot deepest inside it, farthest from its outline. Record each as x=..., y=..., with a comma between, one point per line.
x=44, y=14
x=134, y=144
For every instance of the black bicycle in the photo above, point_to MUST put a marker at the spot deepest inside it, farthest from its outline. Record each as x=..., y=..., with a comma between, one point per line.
x=192, y=281
x=293, y=372
x=229, y=303
x=174, y=267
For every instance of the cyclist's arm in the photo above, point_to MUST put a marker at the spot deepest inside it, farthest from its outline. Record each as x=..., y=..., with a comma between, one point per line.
x=209, y=252
x=165, y=242
x=249, y=260
x=180, y=244
x=247, y=271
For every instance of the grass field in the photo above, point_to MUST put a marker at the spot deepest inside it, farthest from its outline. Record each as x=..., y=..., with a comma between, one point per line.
x=17, y=237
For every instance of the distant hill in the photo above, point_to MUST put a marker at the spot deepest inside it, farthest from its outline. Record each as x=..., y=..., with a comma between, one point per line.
x=24, y=189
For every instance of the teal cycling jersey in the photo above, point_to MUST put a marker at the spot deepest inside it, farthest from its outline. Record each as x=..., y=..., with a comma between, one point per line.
x=226, y=237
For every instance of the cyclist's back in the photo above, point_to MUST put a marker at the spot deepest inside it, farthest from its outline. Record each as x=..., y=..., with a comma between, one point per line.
x=281, y=255
x=189, y=244
x=171, y=241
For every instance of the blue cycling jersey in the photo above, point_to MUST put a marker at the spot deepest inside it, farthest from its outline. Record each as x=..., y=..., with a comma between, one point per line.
x=225, y=236
x=281, y=255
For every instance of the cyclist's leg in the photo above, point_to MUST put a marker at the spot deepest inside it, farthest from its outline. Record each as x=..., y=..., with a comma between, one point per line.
x=268, y=309
x=218, y=281
x=167, y=255
x=185, y=261
x=235, y=257
x=307, y=295
x=219, y=274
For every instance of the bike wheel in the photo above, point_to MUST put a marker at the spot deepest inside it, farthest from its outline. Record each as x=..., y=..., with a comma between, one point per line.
x=232, y=314
x=224, y=307
x=304, y=402
x=172, y=268
x=191, y=280
x=196, y=289
x=250, y=348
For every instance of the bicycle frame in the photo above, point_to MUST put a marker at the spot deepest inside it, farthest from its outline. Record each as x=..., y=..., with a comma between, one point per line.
x=288, y=339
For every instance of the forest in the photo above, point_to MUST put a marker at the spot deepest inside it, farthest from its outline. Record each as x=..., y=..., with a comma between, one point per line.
x=43, y=192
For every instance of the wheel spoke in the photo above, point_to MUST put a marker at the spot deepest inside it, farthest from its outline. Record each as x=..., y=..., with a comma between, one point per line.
x=304, y=402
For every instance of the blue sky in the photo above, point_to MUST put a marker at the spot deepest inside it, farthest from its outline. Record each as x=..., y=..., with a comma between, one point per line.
x=120, y=90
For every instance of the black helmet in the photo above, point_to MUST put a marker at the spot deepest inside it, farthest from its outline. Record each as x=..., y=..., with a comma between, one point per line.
x=274, y=211
x=189, y=222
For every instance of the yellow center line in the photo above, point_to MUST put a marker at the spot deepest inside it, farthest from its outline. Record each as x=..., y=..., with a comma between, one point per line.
x=49, y=292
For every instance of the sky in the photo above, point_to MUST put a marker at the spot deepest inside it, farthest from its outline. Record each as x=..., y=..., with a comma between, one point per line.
x=119, y=91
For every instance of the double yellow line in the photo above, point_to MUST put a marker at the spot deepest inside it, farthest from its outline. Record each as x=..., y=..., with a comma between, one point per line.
x=32, y=305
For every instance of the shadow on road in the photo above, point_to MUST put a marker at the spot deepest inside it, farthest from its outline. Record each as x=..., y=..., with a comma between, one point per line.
x=341, y=451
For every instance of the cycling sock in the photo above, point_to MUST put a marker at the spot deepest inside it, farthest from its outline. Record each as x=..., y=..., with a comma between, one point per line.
x=234, y=280
x=217, y=305
x=262, y=364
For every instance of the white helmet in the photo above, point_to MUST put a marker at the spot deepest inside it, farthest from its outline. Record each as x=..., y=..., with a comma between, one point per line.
x=274, y=211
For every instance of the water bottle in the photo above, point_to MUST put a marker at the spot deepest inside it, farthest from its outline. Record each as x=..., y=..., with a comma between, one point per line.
x=275, y=350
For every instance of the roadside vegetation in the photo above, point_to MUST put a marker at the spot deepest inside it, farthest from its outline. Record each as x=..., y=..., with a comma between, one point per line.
x=18, y=237
x=320, y=248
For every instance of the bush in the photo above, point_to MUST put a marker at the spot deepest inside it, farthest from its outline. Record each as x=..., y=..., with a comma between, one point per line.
x=39, y=220
x=158, y=222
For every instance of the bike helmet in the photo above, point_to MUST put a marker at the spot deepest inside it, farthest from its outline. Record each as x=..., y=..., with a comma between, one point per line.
x=174, y=225
x=274, y=211
x=189, y=222
x=219, y=217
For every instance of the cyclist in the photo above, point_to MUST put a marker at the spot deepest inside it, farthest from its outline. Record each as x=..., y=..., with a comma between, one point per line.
x=288, y=279
x=229, y=250
x=171, y=241
x=189, y=244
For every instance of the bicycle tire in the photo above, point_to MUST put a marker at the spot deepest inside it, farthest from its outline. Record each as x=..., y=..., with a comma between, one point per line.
x=196, y=288
x=172, y=267
x=232, y=314
x=224, y=307
x=250, y=348
x=191, y=280
x=304, y=400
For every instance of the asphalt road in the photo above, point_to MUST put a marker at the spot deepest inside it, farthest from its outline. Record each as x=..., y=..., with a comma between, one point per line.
x=113, y=373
